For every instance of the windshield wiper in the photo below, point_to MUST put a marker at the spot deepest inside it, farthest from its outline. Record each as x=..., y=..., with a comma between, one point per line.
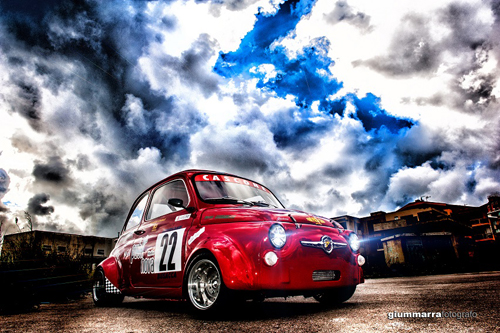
x=231, y=199
x=262, y=204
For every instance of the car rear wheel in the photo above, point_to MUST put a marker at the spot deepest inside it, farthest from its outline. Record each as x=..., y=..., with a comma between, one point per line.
x=100, y=295
x=205, y=288
x=335, y=296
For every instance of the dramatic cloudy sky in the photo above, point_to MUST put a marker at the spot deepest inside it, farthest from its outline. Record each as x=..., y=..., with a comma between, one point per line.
x=339, y=107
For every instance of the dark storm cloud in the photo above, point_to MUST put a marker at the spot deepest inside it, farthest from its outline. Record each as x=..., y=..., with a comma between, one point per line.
x=189, y=66
x=101, y=43
x=297, y=134
x=336, y=171
x=23, y=143
x=26, y=101
x=32, y=9
x=104, y=209
x=344, y=13
x=412, y=50
x=466, y=31
x=53, y=172
x=36, y=205
x=241, y=149
x=4, y=187
x=83, y=162
x=4, y=182
x=91, y=50
x=475, y=41
x=233, y=5
x=98, y=201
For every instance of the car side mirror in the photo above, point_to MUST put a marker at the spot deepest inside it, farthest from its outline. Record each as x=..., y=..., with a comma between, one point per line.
x=176, y=202
x=180, y=204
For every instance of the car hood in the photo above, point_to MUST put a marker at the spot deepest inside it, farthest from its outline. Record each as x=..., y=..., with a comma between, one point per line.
x=261, y=214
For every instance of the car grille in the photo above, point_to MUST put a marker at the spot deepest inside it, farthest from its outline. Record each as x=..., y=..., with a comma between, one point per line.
x=326, y=275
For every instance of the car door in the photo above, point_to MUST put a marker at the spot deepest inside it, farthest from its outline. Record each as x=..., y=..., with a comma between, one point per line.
x=123, y=248
x=164, y=230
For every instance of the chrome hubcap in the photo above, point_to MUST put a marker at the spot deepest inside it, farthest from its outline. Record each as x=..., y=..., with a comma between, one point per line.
x=204, y=284
x=98, y=289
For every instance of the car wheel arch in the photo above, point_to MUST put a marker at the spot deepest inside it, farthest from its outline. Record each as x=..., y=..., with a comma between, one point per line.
x=236, y=267
x=192, y=257
x=111, y=269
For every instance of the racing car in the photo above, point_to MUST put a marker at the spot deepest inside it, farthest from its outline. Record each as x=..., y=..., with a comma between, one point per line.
x=211, y=238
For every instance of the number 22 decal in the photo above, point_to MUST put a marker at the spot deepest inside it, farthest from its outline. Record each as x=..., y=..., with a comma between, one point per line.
x=168, y=251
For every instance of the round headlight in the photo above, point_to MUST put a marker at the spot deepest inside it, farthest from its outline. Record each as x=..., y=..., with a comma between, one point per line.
x=277, y=236
x=354, y=242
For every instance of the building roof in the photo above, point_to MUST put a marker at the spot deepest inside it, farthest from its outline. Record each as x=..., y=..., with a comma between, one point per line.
x=436, y=205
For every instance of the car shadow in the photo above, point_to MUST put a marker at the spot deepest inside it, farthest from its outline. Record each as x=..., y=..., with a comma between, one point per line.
x=240, y=311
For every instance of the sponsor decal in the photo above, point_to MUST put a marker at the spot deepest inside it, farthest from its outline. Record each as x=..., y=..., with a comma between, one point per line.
x=168, y=251
x=196, y=235
x=225, y=216
x=182, y=217
x=155, y=227
x=147, y=265
x=126, y=255
x=220, y=217
x=138, y=249
x=229, y=179
x=315, y=220
x=169, y=275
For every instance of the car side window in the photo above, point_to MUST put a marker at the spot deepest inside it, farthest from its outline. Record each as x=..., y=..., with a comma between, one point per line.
x=159, y=202
x=136, y=216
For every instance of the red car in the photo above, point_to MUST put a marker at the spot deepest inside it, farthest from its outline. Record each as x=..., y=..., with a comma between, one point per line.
x=212, y=237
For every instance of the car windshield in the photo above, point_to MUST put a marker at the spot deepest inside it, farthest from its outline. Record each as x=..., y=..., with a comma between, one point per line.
x=229, y=189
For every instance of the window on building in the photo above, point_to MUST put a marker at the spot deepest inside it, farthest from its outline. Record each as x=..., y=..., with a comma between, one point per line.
x=88, y=251
x=47, y=247
x=61, y=249
x=100, y=252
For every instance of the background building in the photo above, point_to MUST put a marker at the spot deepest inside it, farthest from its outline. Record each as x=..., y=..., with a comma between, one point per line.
x=428, y=237
x=91, y=248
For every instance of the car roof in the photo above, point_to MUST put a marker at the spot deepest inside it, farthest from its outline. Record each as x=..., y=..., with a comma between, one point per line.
x=188, y=173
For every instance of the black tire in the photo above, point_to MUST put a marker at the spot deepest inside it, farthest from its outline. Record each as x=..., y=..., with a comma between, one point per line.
x=205, y=289
x=99, y=294
x=335, y=296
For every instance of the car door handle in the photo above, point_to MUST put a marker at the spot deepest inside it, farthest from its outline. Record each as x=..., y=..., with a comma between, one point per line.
x=139, y=232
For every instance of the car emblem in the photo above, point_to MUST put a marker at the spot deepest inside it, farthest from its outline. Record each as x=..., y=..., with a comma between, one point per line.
x=326, y=243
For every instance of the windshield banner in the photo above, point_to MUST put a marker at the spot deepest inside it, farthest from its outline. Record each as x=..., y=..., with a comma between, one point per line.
x=228, y=179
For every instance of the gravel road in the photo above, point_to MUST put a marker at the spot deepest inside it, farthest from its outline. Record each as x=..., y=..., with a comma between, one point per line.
x=474, y=297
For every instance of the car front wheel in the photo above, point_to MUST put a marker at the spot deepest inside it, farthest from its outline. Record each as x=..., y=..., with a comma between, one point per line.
x=100, y=295
x=205, y=288
x=335, y=296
